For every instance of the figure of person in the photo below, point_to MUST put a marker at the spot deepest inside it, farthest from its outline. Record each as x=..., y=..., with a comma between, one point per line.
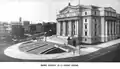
x=74, y=43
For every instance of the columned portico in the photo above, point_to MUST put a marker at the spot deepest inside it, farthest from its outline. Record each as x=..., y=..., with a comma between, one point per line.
x=67, y=28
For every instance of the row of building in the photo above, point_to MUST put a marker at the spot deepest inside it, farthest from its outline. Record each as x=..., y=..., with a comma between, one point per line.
x=18, y=29
x=88, y=23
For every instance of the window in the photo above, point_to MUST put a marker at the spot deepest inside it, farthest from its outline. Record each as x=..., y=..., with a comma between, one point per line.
x=85, y=13
x=85, y=39
x=95, y=29
x=95, y=26
x=95, y=33
x=95, y=20
x=85, y=33
x=85, y=26
x=95, y=12
x=85, y=20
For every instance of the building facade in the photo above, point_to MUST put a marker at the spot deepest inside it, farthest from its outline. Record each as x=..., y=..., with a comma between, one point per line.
x=17, y=30
x=88, y=23
x=26, y=25
x=39, y=28
x=5, y=29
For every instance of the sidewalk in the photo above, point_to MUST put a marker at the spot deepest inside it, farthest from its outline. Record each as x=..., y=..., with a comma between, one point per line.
x=14, y=52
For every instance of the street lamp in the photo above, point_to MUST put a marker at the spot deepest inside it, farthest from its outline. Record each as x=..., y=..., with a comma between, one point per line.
x=45, y=35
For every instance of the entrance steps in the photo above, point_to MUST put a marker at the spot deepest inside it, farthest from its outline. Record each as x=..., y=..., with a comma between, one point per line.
x=65, y=48
x=57, y=39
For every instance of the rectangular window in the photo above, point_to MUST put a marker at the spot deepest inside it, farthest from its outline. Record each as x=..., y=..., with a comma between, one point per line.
x=85, y=26
x=95, y=29
x=85, y=33
x=95, y=26
x=85, y=13
x=85, y=20
x=95, y=20
x=95, y=33
x=95, y=13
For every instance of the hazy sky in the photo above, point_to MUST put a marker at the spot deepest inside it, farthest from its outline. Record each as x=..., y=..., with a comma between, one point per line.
x=43, y=10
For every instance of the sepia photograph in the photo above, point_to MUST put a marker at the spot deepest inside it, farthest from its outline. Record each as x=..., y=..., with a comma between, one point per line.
x=60, y=31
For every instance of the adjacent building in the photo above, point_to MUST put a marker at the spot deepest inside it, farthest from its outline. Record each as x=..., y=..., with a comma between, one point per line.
x=39, y=28
x=88, y=23
x=49, y=28
x=17, y=30
x=5, y=29
x=26, y=25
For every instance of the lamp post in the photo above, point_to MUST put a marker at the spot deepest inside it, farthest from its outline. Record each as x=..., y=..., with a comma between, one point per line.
x=45, y=35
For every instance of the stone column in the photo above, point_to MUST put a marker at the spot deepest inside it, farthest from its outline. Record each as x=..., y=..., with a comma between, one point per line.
x=70, y=28
x=73, y=28
x=58, y=28
x=118, y=28
x=112, y=28
x=115, y=28
x=64, y=28
x=106, y=30
x=76, y=27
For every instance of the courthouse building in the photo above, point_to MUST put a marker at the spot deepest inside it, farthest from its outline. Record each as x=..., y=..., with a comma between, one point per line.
x=88, y=23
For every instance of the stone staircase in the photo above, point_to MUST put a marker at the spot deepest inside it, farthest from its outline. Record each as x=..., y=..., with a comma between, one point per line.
x=65, y=48
x=57, y=39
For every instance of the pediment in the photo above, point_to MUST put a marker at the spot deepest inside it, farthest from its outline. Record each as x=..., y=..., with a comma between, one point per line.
x=68, y=9
x=111, y=9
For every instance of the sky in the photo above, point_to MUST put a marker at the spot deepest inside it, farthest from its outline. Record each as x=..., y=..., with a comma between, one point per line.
x=44, y=10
